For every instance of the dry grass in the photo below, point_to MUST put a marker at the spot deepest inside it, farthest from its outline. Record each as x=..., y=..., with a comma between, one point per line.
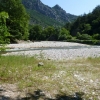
x=64, y=77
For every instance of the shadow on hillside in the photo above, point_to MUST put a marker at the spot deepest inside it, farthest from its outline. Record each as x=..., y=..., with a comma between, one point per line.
x=40, y=95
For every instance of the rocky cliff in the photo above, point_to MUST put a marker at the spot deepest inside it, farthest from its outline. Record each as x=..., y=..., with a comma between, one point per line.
x=56, y=12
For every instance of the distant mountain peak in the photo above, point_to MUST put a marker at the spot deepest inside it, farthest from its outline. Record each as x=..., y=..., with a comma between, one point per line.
x=56, y=12
x=57, y=6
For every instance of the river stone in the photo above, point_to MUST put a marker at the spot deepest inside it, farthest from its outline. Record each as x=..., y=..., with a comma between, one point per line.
x=40, y=64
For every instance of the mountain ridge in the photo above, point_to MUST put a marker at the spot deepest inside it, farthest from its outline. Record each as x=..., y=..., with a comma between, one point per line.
x=56, y=13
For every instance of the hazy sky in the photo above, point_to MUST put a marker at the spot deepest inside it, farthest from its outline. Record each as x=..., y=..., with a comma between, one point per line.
x=76, y=7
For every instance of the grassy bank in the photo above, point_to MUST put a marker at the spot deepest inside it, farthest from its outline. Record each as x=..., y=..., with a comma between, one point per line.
x=54, y=77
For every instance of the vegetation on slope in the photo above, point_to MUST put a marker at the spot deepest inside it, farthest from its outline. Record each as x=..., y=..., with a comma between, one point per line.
x=42, y=20
x=86, y=27
x=45, y=15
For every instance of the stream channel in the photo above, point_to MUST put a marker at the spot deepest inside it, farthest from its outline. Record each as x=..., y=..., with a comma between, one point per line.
x=49, y=48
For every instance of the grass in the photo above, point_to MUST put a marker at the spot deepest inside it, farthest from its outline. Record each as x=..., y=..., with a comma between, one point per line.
x=64, y=77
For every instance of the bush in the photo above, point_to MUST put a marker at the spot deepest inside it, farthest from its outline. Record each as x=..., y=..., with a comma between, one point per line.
x=64, y=34
x=96, y=36
x=84, y=36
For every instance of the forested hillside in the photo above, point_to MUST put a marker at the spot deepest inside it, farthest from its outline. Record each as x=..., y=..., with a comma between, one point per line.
x=86, y=29
x=87, y=26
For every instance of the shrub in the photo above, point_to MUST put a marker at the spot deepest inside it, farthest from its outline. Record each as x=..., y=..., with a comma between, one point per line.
x=96, y=36
x=84, y=37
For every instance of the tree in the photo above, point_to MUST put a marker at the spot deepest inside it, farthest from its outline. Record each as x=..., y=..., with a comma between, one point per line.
x=83, y=36
x=35, y=32
x=3, y=28
x=96, y=36
x=96, y=10
x=17, y=23
x=68, y=26
x=49, y=33
x=4, y=34
x=87, y=28
x=86, y=23
x=64, y=34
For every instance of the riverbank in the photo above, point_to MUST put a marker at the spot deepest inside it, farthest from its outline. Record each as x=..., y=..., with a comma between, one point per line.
x=43, y=44
x=54, y=50
x=61, y=74
x=22, y=79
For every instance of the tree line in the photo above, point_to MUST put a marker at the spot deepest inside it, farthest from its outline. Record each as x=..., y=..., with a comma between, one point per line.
x=85, y=29
x=49, y=33
x=14, y=25
x=87, y=26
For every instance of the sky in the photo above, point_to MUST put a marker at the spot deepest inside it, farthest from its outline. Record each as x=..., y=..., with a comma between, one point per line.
x=76, y=7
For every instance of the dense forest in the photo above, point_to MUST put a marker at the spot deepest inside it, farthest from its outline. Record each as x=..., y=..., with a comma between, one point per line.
x=13, y=21
x=87, y=27
x=14, y=25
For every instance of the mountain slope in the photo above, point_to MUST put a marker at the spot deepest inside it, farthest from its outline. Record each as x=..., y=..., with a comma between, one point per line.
x=45, y=15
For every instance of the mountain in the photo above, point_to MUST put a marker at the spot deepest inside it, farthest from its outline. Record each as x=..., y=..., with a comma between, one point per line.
x=45, y=15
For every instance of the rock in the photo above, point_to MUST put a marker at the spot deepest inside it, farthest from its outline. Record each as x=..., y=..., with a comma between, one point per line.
x=1, y=89
x=39, y=93
x=49, y=59
x=56, y=12
x=40, y=64
x=28, y=41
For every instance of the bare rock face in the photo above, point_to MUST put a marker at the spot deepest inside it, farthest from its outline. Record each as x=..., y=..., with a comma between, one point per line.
x=55, y=12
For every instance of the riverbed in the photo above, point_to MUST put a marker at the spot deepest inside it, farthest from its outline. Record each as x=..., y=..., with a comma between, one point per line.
x=54, y=50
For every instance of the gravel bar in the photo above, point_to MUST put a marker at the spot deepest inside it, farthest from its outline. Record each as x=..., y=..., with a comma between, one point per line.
x=54, y=50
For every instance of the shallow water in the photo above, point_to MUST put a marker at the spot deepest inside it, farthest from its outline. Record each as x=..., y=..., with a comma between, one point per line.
x=50, y=48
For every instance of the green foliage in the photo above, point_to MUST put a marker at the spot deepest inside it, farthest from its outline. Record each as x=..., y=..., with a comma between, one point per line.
x=64, y=34
x=4, y=34
x=96, y=11
x=96, y=36
x=86, y=23
x=49, y=33
x=83, y=36
x=68, y=26
x=24, y=71
x=35, y=32
x=3, y=28
x=86, y=27
x=38, y=18
x=17, y=23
